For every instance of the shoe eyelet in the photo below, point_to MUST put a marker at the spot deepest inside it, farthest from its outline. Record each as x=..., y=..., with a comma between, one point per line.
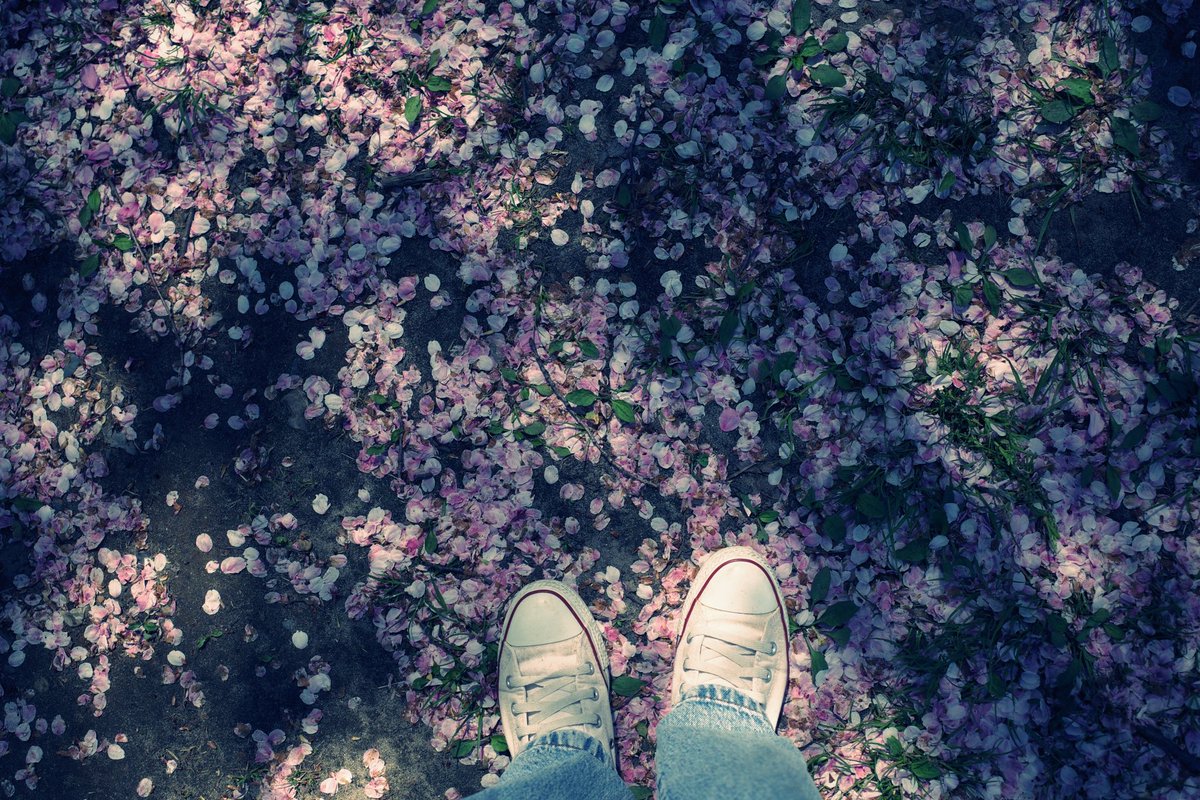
x=508, y=682
x=767, y=677
x=774, y=649
x=597, y=722
x=512, y=708
x=591, y=668
x=595, y=694
x=688, y=640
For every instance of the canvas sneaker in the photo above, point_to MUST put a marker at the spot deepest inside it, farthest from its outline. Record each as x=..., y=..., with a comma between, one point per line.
x=733, y=631
x=553, y=668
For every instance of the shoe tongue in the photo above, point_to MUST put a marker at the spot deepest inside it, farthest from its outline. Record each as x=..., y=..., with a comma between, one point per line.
x=543, y=659
x=734, y=627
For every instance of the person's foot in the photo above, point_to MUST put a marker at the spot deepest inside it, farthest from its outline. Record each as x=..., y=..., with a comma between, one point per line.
x=553, y=668
x=733, y=630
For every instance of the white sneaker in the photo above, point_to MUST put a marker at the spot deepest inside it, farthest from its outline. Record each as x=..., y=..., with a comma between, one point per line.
x=553, y=668
x=733, y=631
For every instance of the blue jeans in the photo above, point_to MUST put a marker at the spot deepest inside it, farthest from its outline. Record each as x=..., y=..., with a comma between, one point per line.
x=716, y=744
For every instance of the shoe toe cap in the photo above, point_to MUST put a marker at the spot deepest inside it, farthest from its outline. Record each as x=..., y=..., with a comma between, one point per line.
x=542, y=618
x=740, y=587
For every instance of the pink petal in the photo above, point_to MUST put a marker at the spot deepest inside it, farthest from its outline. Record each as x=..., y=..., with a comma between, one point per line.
x=89, y=78
x=233, y=565
x=729, y=420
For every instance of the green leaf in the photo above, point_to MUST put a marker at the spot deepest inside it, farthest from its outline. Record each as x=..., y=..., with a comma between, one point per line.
x=435, y=58
x=1057, y=111
x=122, y=242
x=964, y=237
x=624, y=197
x=989, y=237
x=581, y=397
x=89, y=265
x=8, y=129
x=429, y=7
x=588, y=349
x=1098, y=618
x=1125, y=135
x=1056, y=626
x=641, y=792
x=509, y=374
x=937, y=518
x=991, y=295
x=836, y=43
x=1134, y=437
x=85, y=216
x=947, y=183
x=670, y=326
x=627, y=686
x=431, y=542
x=964, y=294
x=777, y=87
x=819, y=589
x=1021, y=278
x=377, y=398
x=828, y=75
x=1146, y=111
x=499, y=744
x=894, y=746
x=1112, y=479
x=870, y=506
x=543, y=389
x=838, y=614
x=465, y=747
x=658, y=31
x=535, y=429
x=26, y=503
x=819, y=664
x=412, y=109
x=925, y=770
x=1066, y=681
x=913, y=552
x=9, y=87
x=624, y=411
x=437, y=83
x=560, y=451
x=768, y=517
x=1115, y=633
x=835, y=528
x=93, y=200
x=995, y=686
x=810, y=48
x=1110, y=58
x=1079, y=88
x=377, y=449
x=839, y=635
x=729, y=326
x=801, y=17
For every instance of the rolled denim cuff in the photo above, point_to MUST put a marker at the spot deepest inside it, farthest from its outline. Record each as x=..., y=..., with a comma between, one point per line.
x=730, y=698
x=570, y=739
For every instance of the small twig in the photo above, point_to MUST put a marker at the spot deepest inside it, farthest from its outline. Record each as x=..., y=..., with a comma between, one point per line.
x=418, y=178
x=1186, y=760
x=751, y=466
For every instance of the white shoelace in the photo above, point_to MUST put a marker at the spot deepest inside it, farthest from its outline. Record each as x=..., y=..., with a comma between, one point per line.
x=557, y=700
x=730, y=658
